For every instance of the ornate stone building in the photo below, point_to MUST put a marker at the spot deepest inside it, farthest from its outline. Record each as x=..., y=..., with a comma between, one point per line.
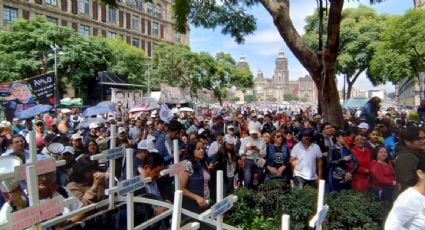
x=274, y=89
x=140, y=23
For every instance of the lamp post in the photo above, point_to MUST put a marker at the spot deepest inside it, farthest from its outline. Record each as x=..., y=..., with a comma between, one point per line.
x=55, y=49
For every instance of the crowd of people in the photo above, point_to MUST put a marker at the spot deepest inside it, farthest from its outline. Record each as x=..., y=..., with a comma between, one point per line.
x=373, y=153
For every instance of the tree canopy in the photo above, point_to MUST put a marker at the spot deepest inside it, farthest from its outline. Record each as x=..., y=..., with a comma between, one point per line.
x=25, y=52
x=231, y=16
x=401, y=51
x=177, y=65
x=361, y=29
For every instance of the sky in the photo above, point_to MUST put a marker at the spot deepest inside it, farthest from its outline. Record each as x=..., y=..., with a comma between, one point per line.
x=261, y=48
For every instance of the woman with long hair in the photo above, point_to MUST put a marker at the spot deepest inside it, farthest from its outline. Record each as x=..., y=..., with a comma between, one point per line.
x=227, y=161
x=277, y=163
x=194, y=181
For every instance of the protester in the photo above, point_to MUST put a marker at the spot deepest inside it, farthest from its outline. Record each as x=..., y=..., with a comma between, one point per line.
x=409, y=151
x=408, y=210
x=364, y=156
x=382, y=175
x=342, y=164
x=194, y=181
x=306, y=158
x=277, y=165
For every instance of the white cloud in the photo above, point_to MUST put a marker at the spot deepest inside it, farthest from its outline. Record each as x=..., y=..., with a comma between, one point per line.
x=264, y=36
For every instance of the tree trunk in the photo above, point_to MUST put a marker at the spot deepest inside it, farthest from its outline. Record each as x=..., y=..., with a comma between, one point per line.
x=312, y=61
x=349, y=86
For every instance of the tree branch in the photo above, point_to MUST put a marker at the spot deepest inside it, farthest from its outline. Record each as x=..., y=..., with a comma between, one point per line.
x=279, y=10
x=334, y=24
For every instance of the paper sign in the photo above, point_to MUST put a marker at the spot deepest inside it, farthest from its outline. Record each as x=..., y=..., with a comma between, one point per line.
x=178, y=168
x=319, y=217
x=41, y=167
x=27, y=217
x=222, y=206
x=114, y=153
x=130, y=185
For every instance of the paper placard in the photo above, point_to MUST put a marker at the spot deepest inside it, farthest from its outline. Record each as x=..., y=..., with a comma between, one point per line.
x=41, y=167
x=32, y=215
x=178, y=168
x=130, y=185
x=222, y=207
x=323, y=213
x=114, y=153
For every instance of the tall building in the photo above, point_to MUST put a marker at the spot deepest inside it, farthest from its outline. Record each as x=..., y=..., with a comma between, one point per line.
x=140, y=23
x=275, y=88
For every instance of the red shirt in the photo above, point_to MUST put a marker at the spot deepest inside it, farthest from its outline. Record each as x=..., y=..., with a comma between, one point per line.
x=361, y=175
x=381, y=175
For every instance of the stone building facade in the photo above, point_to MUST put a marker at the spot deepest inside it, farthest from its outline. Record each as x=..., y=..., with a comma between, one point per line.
x=140, y=23
x=274, y=89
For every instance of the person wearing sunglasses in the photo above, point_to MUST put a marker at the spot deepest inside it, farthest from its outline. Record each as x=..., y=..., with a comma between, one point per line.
x=277, y=165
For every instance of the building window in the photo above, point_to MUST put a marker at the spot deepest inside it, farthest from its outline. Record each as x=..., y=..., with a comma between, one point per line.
x=85, y=6
x=111, y=34
x=85, y=30
x=130, y=3
x=139, y=5
x=150, y=9
x=135, y=22
x=155, y=30
x=112, y=15
x=157, y=12
x=51, y=2
x=135, y=42
x=52, y=20
x=177, y=37
x=10, y=14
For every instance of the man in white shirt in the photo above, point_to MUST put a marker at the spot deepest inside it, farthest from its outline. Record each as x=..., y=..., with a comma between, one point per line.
x=253, y=150
x=306, y=157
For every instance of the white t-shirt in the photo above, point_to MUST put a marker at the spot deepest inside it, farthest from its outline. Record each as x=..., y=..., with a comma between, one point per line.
x=306, y=165
x=407, y=211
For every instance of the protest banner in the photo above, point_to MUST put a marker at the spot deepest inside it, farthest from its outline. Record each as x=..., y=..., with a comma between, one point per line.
x=128, y=98
x=174, y=95
x=27, y=98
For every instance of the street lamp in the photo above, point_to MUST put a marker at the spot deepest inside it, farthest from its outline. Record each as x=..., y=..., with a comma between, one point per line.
x=55, y=49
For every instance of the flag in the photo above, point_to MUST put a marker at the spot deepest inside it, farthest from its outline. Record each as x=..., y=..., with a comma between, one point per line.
x=165, y=113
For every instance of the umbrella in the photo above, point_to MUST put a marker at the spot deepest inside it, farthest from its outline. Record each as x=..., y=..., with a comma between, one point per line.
x=186, y=109
x=101, y=108
x=31, y=112
x=86, y=123
x=141, y=109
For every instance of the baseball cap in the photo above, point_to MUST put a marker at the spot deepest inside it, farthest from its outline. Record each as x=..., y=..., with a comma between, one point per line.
x=229, y=139
x=200, y=131
x=143, y=145
x=254, y=129
x=228, y=118
x=363, y=125
x=306, y=132
x=76, y=136
x=68, y=149
x=93, y=125
x=175, y=125
x=230, y=127
x=340, y=133
x=120, y=130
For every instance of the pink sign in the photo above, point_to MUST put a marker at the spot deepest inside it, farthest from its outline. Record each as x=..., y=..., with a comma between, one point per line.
x=178, y=168
x=42, y=167
x=27, y=217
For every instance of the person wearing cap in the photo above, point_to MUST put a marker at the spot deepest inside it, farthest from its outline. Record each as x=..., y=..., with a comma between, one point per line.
x=226, y=160
x=363, y=128
x=20, y=98
x=92, y=134
x=306, y=158
x=253, y=150
x=138, y=158
x=77, y=144
x=342, y=164
x=63, y=172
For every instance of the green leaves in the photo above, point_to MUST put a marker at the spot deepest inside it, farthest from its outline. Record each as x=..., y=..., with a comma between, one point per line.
x=230, y=15
x=401, y=51
x=178, y=66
